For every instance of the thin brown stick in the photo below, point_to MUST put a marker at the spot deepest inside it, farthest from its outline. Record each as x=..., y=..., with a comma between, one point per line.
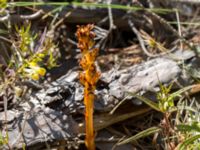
x=33, y=16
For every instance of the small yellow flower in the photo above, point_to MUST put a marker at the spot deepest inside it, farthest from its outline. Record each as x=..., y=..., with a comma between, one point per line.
x=34, y=71
x=33, y=64
x=35, y=76
x=41, y=71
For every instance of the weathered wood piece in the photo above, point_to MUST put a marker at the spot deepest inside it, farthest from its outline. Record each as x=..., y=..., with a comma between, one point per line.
x=47, y=115
x=37, y=126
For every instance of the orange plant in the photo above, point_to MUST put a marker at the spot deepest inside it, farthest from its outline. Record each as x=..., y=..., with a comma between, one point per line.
x=88, y=77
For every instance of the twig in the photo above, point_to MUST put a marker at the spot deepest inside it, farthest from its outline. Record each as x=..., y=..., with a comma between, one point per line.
x=106, y=140
x=32, y=16
x=5, y=39
x=61, y=20
x=70, y=41
x=6, y=118
x=5, y=18
x=117, y=106
x=142, y=44
x=21, y=17
x=101, y=34
x=104, y=39
x=179, y=27
x=111, y=25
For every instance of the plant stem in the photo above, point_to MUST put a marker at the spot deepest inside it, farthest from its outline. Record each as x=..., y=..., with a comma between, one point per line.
x=89, y=104
x=88, y=78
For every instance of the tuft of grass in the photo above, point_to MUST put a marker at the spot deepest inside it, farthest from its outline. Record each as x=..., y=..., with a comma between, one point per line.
x=166, y=106
x=189, y=128
x=27, y=60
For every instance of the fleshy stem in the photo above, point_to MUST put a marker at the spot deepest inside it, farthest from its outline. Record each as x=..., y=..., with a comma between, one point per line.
x=88, y=78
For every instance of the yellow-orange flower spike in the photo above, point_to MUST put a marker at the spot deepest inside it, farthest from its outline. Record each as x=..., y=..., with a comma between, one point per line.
x=88, y=78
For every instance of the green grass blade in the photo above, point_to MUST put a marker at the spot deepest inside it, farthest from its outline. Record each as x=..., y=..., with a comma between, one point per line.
x=185, y=23
x=188, y=141
x=188, y=108
x=188, y=128
x=22, y=4
x=3, y=31
x=146, y=101
x=113, y=6
x=142, y=134
x=177, y=93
